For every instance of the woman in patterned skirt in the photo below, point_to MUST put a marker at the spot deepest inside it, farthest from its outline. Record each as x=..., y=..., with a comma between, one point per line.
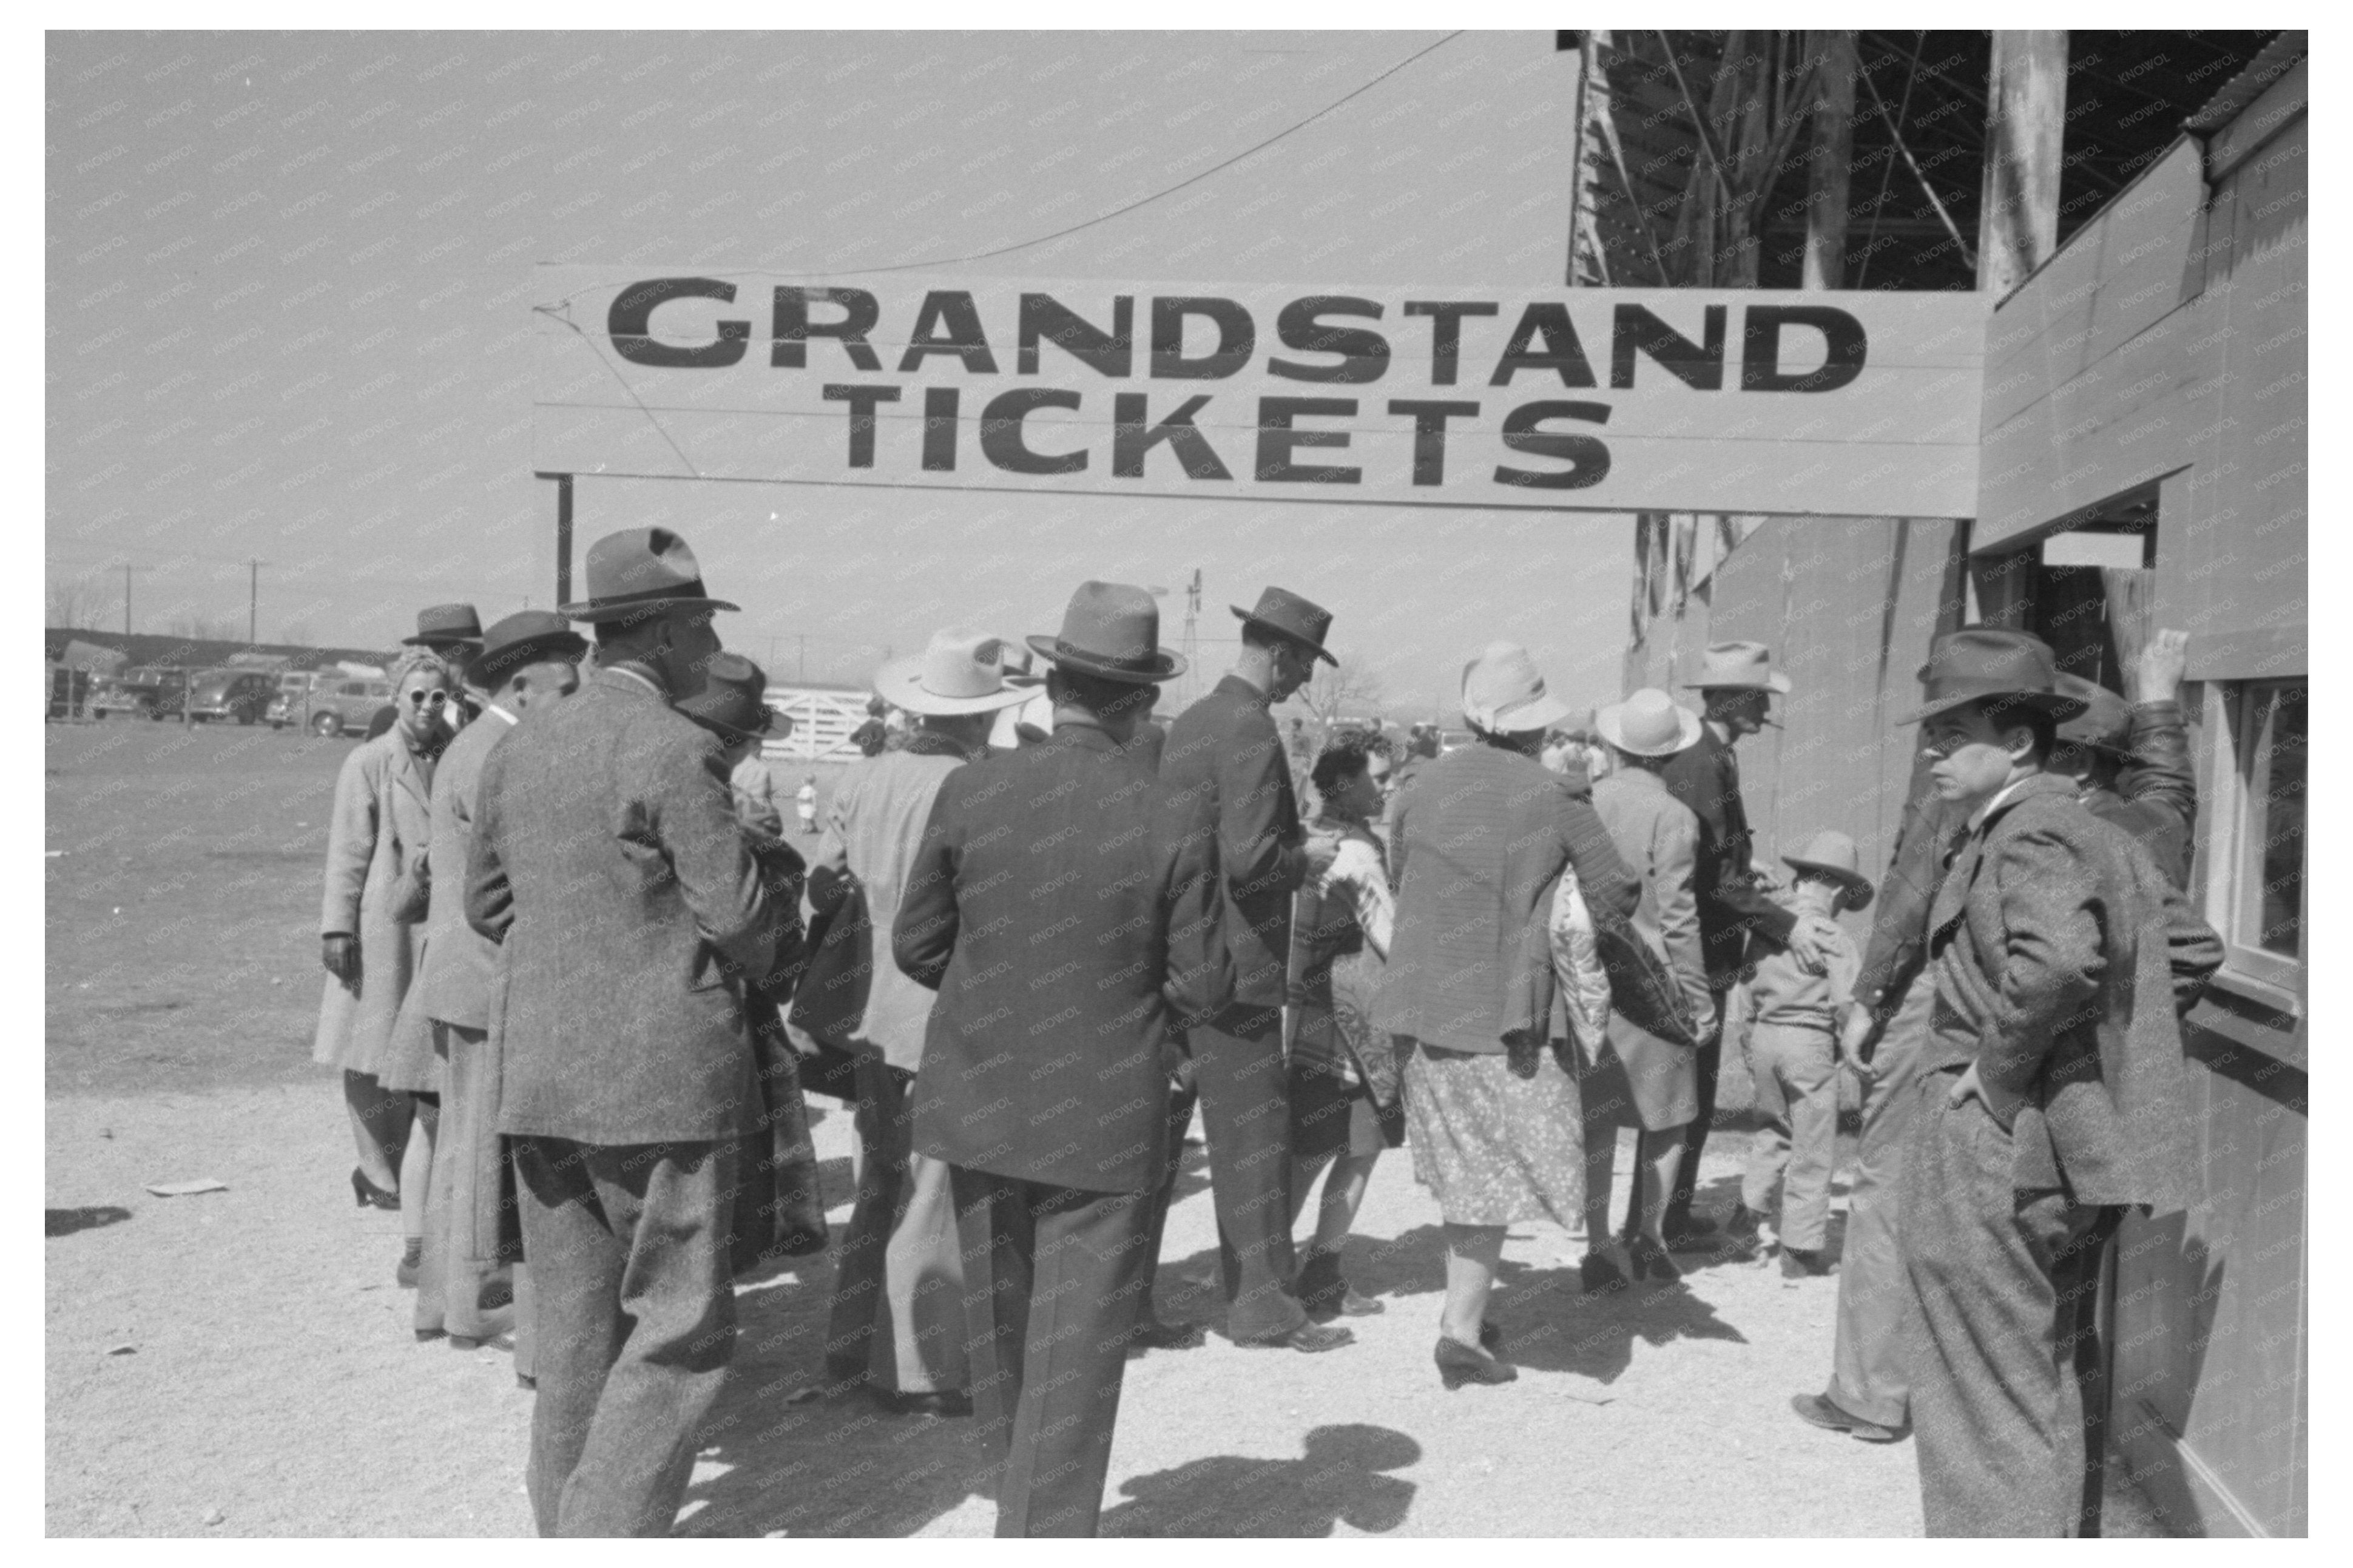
x=1479, y=842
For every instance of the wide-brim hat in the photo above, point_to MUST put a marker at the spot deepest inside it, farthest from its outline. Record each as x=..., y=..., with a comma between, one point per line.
x=1503, y=694
x=446, y=623
x=1302, y=620
x=2105, y=723
x=733, y=699
x=1994, y=666
x=1648, y=724
x=526, y=637
x=641, y=572
x=958, y=673
x=1740, y=666
x=1112, y=631
x=1833, y=854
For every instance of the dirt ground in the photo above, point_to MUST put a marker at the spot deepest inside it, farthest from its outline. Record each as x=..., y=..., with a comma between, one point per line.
x=241, y=1362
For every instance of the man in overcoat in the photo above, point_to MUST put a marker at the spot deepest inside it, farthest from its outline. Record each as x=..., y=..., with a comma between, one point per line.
x=528, y=660
x=2053, y=1096
x=1037, y=904
x=1737, y=682
x=1230, y=791
x=608, y=859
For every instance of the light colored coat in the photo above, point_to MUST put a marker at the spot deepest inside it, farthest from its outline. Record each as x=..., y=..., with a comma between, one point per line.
x=1658, y=838
x=375, y=888
x=460, y=961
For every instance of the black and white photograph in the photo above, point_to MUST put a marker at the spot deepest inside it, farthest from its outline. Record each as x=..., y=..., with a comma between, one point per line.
x=1016, y=775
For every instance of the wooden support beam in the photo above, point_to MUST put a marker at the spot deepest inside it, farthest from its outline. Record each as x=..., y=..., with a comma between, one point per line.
x=2026, y=120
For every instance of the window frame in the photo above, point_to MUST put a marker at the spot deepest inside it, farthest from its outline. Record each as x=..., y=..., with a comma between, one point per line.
x=2232, y=724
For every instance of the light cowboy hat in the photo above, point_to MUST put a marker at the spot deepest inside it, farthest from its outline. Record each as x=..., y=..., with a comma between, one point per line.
x=1302, y=620
x=1742, y=666
x=960, y=672
x=639, y=572
x=1112, y=631
x=734, y=700
x=1648, y=724
x=1833, y=854
x=1999, y=668
x=1502, y=693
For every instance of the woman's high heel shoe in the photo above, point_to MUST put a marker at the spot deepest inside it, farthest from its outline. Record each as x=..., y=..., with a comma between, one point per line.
x=1648, y=1258
x=1459, y=1364
x=366, y=1194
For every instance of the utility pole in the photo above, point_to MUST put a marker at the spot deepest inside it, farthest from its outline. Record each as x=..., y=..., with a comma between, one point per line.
x=802, y=637
x=127, y=570
x=1830, y=159
x=2026, y=120
x=253, y=601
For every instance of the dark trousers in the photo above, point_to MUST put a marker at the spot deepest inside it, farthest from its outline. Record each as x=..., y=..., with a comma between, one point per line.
x=636, y=1320
x=1052, y=1278
x=1182, y=1098
x=1246, y=1111
x=2004, y=1340
x=1710, y=1058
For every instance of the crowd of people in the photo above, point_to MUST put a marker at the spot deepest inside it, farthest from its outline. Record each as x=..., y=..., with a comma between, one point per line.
x=579, y=985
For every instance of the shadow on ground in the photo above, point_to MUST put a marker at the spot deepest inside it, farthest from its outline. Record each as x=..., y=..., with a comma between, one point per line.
x=1337, y=1480
x=66, y=1222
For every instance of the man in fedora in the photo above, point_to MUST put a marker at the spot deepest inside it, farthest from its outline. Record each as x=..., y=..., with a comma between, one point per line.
x=1037, y=905
x=2157, y=802
x=608, y=860
x=732, y=704
x=1223, y=766
x=898, y=1319
x=528, y=660
x=455, y=632
x=1737, y=684
x=1868, y=1395
x=2053, y=1096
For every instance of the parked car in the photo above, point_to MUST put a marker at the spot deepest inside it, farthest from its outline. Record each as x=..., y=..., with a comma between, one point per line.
x=339, y=707
x=1453, y=740
x=143, y=691
x=223, y=695
x=291, y=703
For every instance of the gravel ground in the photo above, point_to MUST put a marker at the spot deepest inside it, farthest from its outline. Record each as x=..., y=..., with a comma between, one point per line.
x=241, y=1361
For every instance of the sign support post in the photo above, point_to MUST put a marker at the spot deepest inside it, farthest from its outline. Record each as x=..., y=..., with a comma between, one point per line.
x=562, y=535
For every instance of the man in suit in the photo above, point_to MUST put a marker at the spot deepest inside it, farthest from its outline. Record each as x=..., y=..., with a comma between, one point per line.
x=1869, y=1394
x=2052, y=1096
x=1229, y=788
x=1037, y=904
x=528, y=660
x=608, y=859
x=1737, y=682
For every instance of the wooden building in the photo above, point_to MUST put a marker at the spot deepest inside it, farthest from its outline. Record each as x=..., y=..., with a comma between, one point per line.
x=2144, y=465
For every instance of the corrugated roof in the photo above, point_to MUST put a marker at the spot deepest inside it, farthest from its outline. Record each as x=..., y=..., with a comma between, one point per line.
x=2275, y=60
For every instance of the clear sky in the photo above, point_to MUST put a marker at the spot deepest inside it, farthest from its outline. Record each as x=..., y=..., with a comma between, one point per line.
x=290, y=280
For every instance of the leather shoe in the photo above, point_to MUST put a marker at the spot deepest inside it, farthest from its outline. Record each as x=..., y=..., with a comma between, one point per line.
x=1690, y=1232
x=1598, y=1274
x=1156, y=1335
x=1798, y=1264
x=1459, y=1364
x=1820, y=1410
x=946, y=1402
x=1308, y=1338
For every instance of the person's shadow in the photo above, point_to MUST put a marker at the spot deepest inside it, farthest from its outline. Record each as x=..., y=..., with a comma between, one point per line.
x=66, y=1222
x=1338, y=1480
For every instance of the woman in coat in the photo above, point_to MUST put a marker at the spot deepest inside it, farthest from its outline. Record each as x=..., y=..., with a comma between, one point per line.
x=1480, y=838
x=1633, y=1069
x=372, y=935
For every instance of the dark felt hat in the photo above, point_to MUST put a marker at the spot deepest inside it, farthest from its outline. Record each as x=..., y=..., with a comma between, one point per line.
x=446, y=625
x=1986, y=663
x=1113, y=631
x=1303, y=621
x=733, y=699
x=2105, y=723
x=641, y=571
x=526, y=637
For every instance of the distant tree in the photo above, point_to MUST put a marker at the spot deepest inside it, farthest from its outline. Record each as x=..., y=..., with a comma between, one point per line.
x=199, y=627
x=75, y=601
x=296, y=631
x=1346, y=690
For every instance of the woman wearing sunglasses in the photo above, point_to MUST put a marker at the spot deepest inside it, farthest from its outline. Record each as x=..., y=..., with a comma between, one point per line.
x=371, y=937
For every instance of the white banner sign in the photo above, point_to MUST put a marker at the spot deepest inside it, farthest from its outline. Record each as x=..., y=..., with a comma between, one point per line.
x=1610, y=400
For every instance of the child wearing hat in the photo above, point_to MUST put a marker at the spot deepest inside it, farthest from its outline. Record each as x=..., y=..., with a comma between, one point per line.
x=1793, y=1059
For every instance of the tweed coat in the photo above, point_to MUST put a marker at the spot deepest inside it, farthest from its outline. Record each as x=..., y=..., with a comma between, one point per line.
x=1705, y=777
x=455, y=984
x=1037, y=907
x=1481, y=837
x=1229, y=788
x=2062, y=959
x=377, y=891
x=607, y=858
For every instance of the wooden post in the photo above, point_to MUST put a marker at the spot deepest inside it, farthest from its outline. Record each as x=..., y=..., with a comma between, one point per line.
x=2026, y=119
x=563, y=536
x=1830, y=159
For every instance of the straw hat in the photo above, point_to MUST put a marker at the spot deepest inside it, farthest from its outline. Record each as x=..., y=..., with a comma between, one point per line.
x=960, y=672
x=1503, y=694
x=1747, y=666
x=1833, y=854
x=1648, y=724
